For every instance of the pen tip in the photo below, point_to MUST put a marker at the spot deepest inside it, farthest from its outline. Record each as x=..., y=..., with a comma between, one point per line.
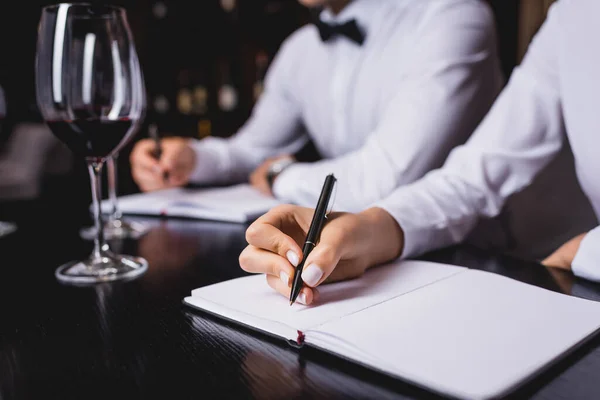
x=291, y=302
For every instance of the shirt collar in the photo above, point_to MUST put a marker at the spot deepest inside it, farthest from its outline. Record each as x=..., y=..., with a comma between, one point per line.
x=363, y=11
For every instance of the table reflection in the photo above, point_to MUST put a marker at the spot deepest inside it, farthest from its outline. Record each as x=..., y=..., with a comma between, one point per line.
x=275, y=370
x=176, y=247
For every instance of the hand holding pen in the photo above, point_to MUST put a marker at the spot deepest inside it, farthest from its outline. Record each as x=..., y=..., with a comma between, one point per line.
x=161, y=163
x=312, y=238
x=347, y=246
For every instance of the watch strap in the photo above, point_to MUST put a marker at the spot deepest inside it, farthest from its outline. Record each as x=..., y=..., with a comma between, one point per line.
x=277, y=168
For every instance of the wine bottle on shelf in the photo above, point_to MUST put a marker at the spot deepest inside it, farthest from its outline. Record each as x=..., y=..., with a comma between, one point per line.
x=228, y=96
x=261, y=61
x=199, y=94
x=188, y=107
x=184, y=93
x=200, y=105
x=204, y=128
x=161, y=104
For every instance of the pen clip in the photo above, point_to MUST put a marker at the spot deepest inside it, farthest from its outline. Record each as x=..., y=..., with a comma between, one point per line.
x=331, y=201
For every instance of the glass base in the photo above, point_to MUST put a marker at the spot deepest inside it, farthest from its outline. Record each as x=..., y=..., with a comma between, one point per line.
x=117, y=229
x=6, y=228
x=108, y=268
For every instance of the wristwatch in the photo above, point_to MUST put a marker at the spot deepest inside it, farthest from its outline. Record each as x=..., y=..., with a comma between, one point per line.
x=277, y=168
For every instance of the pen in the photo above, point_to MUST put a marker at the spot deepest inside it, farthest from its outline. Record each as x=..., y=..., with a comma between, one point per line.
x=314, y=232
x=157, y=152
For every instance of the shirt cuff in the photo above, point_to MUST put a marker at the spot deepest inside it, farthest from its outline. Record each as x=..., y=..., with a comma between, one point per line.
x=586, y=263
x=285, y=187
x=213, y=161
x=416, y=237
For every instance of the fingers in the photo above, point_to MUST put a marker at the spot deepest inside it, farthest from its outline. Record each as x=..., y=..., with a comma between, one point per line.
x=258, y=180
x=152, y=179
x=172, y=170
x=278, y=270
x=259, y=261
x=145, y=168
x=173, y=153
x=142, y=155
x=148, y=180
x=307, y=295
x=178, y=161
x=264, y=234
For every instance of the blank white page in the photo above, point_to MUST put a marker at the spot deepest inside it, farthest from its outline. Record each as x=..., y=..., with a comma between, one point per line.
x=238, y=203
x=152, y=202
x=475, y=335
x=240, y=198
x=252, y=296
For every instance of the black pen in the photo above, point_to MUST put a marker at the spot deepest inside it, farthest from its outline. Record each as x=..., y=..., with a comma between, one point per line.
x=314, y=232
x=157, y=152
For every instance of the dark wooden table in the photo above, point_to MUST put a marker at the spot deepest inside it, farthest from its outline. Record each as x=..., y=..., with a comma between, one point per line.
x=136, y=339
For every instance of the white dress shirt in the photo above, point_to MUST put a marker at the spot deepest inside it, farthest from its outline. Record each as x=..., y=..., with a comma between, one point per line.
x=381, y=114
x=553, y=93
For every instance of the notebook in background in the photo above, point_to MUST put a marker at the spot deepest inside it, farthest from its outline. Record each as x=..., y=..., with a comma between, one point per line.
x=458, y=332
x=240, y=203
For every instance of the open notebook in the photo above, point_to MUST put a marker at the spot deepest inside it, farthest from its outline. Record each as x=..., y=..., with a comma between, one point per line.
x=458, y=332
x=240, y=203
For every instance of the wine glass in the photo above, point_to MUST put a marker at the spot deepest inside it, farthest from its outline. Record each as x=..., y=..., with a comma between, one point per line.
x=90, y=92
x=115, y=227
x=6, y=228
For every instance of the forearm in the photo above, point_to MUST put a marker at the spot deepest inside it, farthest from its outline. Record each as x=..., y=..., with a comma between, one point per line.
x=271, y=130
x=214, y=162
x=363, y=177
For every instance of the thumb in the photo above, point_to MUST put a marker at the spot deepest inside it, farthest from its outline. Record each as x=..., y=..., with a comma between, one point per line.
x=322, y=261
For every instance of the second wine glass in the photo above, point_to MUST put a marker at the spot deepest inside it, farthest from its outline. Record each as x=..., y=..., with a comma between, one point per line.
x=115, y=226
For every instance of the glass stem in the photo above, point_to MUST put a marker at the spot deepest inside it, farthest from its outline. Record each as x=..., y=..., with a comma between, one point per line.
x=95, y=170
x=115, y=214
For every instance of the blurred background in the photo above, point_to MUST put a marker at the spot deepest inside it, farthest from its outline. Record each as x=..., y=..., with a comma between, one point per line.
x=204, y=64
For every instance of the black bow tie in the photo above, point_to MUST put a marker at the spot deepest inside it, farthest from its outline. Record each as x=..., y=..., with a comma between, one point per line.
x=349, y=29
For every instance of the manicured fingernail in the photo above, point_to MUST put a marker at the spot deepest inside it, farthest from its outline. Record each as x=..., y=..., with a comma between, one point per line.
x=312, y=275
x=156, y=169
x=302, y=299
x=285, y=278
x=292, y=258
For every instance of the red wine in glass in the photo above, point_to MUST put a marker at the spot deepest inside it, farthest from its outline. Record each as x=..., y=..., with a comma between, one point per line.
x=90, y=92
x=91, y=137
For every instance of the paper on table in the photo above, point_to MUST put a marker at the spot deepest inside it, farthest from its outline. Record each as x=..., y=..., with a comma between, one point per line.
x=237, y=203
x=253, y=297
x=475, y=335
x=239, y=197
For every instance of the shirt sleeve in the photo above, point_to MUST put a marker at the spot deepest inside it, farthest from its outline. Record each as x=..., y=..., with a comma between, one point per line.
x=521, y=134
x=443, y=93
x=586, y=263
x=272, y=129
